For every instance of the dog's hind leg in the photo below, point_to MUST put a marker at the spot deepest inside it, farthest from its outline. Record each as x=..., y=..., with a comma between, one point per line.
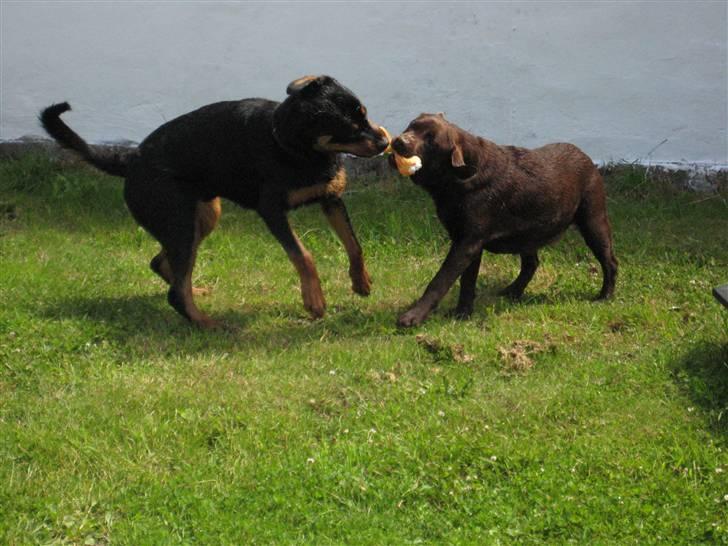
x=529, y=264
x=592, y=221
x=336, y=214
x=206, y=217
x=160, y=265
x=597, y=235
x=170, y=216
x=467, y=289
x=313, y=297
x=181, y=256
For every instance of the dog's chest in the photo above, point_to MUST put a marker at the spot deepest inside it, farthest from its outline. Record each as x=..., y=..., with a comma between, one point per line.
x=331, y=188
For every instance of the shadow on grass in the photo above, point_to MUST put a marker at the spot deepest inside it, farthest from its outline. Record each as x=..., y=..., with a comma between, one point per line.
x=144, y=326
x=489, y=295
x=702, y=373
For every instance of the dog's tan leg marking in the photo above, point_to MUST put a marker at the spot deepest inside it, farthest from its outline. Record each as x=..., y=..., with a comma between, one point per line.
x=184, y=289
x=206, y=218
x=339, y=220
x=277, y=221
x=313, y=296
x=207, y=215
x=180, y=295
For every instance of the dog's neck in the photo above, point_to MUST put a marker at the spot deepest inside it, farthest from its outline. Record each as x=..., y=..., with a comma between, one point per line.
x=291, y=145
x=287, y=146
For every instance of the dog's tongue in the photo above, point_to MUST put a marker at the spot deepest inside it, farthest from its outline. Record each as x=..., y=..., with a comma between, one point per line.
x=407, y=166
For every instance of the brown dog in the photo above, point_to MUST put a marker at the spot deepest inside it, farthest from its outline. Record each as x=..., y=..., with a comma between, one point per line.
x=502, y=199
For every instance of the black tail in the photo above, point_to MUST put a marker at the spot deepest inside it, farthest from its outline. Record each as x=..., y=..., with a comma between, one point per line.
x=108, y=160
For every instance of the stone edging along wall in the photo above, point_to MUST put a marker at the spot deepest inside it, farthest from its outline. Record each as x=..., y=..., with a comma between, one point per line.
x=691, y=177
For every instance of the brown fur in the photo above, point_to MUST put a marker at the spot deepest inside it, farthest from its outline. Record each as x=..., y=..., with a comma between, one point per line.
x=504, y=199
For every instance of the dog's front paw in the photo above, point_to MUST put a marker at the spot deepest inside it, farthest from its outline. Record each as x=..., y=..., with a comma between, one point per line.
x=462, y=312
x=203, y=322
x=512, y=292
x=315, y=310
x=413, y=317
x=316, y=306
x=361, y=282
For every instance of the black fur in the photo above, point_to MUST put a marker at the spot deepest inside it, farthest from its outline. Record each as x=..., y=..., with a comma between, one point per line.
x=110, y=161
x=265, y=155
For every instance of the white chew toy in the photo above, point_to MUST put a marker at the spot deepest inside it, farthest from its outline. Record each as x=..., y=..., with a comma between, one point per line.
x=407, y=166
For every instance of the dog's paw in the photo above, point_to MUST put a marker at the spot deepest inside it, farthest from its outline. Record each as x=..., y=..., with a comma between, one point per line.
x=361, y=282
x=461, y=313
x=316, y=307
x=313, y=299
x=316, y=312
x=511, y=292
x=603, y=296
x=206, y=323
x=413, y=317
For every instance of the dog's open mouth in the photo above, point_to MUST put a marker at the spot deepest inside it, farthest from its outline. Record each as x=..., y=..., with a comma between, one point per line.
x=358, y=148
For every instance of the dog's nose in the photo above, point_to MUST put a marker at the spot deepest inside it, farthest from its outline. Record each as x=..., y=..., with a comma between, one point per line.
x=382, y=137
x=406, y=137
x=399, y=144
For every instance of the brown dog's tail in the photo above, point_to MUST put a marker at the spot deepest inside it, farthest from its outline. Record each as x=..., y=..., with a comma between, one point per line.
x=108, y=160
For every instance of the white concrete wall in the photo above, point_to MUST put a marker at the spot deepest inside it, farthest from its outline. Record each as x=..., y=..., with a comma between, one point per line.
x=617, y=78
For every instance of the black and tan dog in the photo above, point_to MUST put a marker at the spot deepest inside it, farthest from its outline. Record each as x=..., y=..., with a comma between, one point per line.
x=263, y=155
x=503, y=199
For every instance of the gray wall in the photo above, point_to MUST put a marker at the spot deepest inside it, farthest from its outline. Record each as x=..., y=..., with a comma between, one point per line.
x=617, y=78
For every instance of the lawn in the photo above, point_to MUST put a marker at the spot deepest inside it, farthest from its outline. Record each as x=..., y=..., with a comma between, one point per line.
x=551, y=420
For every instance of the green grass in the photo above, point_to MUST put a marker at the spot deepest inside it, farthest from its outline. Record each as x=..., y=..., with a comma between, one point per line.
x=121, y=424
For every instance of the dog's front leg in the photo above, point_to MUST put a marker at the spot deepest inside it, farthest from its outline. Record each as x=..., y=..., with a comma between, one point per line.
x=336, y=214
x=460, y=256
x=313, y=297
x=467, y=289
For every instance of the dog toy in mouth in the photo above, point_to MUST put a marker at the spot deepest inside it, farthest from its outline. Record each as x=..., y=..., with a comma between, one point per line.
x=407, y=166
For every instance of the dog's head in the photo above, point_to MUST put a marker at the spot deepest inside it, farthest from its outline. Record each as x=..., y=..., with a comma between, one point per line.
x=442, y=146
x=322, y=115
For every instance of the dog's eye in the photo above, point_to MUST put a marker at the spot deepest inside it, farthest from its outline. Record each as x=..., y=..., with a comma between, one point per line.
x=362, y=111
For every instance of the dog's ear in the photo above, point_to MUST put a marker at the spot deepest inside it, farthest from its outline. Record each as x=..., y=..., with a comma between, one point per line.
x=309, y=83
x=457, y=159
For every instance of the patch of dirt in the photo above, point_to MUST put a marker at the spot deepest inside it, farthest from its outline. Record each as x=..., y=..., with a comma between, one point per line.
x=516, y=358
x=443, y=351
x=616, y=326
